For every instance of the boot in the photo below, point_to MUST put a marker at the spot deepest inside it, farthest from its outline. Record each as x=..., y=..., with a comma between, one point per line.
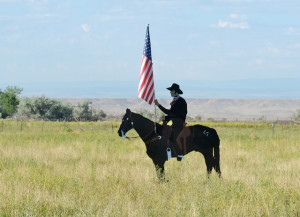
x=180, y=157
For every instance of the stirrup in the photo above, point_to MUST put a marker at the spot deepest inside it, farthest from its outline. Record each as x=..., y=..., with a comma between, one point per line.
x=169, y=155
x=180, y=157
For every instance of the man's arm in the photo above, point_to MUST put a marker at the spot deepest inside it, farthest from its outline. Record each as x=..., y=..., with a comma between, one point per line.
x=163, y=109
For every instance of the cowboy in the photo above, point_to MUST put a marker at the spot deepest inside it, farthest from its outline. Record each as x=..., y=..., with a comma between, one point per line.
x=177, y=112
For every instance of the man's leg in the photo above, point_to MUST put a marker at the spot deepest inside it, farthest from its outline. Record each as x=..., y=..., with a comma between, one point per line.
x=177, y=126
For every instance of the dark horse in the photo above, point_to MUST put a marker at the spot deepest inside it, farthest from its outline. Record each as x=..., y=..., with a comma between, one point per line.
x=199, y=138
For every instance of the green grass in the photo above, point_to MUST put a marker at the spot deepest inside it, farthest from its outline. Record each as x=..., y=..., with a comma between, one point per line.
x=85, y=169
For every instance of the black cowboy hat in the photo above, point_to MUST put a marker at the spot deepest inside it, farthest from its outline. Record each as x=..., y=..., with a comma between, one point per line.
x=176, y=88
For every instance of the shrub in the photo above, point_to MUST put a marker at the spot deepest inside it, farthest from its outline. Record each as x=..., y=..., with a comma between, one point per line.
x=44, y=108
x=296, y=115
x=9, y=101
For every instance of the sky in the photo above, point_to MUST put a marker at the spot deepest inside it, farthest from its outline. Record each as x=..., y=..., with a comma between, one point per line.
x=93, y=48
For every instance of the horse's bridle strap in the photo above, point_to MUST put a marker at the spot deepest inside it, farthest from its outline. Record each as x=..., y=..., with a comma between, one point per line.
x=144, y=137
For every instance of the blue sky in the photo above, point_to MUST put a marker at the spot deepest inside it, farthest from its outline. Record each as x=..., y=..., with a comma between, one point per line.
x=217, y=48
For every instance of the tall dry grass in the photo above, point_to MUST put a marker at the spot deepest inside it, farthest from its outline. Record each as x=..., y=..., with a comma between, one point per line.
x=85, y=169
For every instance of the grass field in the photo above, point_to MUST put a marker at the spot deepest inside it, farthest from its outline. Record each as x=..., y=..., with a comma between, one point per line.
x=85, y=169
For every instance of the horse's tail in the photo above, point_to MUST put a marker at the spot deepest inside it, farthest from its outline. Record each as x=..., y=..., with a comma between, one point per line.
x=217, y=157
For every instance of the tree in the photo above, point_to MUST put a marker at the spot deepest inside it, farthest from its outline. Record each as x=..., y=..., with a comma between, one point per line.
x=98, y=114
x=44, y=108
x=9, y=101
x=51, y=109
x=83, y=112
x=59, y=111
x=296, y=115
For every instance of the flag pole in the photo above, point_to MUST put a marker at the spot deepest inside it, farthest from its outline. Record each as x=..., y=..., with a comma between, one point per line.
x=154, y=115
x=154, y=106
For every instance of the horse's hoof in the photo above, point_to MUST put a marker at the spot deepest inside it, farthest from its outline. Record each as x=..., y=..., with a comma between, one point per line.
x=163, y=180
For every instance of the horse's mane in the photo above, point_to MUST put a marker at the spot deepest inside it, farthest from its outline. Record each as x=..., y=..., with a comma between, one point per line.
x=145, y=124
x=142, y=117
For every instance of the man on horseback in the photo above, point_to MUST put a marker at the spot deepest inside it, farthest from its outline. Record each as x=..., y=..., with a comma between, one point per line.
x=177, y=113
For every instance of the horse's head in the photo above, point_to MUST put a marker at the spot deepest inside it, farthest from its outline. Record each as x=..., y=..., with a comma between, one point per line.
x=126, y=124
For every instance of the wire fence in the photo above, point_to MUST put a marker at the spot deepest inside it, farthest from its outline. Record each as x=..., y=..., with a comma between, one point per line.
x=13, y=126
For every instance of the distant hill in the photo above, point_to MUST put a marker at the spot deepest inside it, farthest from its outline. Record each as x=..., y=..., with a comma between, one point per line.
x=230, y=109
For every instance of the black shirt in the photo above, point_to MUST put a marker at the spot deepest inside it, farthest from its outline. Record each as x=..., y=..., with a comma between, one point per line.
x=178, y=109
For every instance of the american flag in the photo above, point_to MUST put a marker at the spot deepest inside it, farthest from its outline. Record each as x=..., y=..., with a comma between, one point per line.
x=146, y=84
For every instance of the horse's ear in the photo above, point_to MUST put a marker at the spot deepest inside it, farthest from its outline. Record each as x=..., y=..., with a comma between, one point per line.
x=128, y=111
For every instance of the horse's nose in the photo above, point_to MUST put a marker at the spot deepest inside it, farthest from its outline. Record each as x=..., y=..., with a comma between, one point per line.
x=120, y=133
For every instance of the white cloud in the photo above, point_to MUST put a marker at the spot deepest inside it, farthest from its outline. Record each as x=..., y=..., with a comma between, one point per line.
x=28, y=17
x=167, y=3
x=8, y=1
x=231, y=25
x=236, y=21
x=39, y=16
x=12, y=27
x=61, y=66
x=259, y=61
x=272, y=49
x=234, y=16
x=214, y=43
x=238, y=16
x=275, y=51
x=235, y=1
x=292, y=31
x=85, y=27
x=13, y=37
x=38, y=4
x=194, y=35
x=236, y=53
x=116, y=14
x=64, y=5
x=296, y=46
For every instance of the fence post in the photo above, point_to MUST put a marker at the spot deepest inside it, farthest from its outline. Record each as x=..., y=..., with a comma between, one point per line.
x=21, y=125
x=2, y=125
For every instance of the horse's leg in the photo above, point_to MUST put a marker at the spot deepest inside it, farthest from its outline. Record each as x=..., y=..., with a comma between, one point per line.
x=209, y=160
x=217, y=159
x=160, y=170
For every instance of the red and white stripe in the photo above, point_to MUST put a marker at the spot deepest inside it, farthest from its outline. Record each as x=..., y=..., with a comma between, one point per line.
x=146, y=84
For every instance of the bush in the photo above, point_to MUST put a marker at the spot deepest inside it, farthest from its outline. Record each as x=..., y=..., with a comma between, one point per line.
x=9, y=101
x=44, y=108
x=83, y=112
x=296, y=115
x=51, y=109
x=98, y=115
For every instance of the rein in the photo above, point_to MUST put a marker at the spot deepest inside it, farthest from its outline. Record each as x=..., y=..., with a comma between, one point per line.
x=132, y=137
x=135, y=137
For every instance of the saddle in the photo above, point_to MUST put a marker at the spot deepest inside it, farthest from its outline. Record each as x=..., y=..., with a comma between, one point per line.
x=177, y=139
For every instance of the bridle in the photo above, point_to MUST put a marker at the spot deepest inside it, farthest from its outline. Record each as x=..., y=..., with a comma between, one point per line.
x=129, y=118
x=122, y=132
